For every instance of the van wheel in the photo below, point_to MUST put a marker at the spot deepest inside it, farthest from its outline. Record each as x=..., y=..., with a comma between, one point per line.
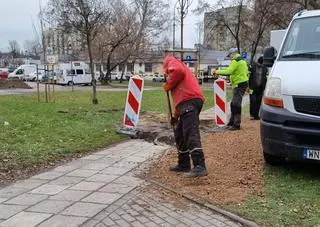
x=116, y=78
x=70, y=83
x=272, y=159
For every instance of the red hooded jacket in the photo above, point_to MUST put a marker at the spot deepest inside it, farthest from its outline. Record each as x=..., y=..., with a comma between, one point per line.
x=183, y=84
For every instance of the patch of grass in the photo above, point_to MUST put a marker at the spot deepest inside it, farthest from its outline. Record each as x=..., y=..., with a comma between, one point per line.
x=292, y=197
x=32, y=133
x=41, y=133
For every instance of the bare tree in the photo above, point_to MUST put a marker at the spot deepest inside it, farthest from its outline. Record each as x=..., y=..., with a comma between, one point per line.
x=227, y=17
x=130, y=30
x=84, y=18
x=183, y=9
x=14, y=48
x=261, y=24
x=33, y=47
x=119, y=32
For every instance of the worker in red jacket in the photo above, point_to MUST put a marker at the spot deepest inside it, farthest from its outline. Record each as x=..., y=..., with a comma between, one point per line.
x=188, y=100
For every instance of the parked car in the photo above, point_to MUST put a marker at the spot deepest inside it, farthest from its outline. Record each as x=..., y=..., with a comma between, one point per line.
x=115, y=76
x=128, y=75
x=4, y=74
x=22, y=71
x=49, y=76
x=33, y=76
x=158, y=78
x=71, y=77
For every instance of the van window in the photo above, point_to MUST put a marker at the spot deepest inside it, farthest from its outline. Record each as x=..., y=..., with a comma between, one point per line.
x=303, y=40
x=20, y=72
x=80, y=72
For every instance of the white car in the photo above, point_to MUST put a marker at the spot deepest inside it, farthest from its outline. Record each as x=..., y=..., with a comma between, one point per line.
x=33, y=76
x=115, y=76
x=158, y=78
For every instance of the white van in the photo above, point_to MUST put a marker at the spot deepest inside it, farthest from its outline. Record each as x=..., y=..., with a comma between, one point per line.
x=290, y=113
x=22, y=71
x=79, y=76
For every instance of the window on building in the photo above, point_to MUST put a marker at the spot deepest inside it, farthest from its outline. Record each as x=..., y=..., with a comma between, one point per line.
x=191, y=64
x=148, y=67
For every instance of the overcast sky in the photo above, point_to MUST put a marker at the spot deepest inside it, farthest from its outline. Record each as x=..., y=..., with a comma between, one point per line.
x=17, y=15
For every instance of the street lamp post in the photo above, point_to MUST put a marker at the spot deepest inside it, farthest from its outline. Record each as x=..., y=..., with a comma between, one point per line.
x=174, y=26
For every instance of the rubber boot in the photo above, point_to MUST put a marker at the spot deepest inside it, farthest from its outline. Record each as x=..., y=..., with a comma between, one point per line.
x=183, y=163
x=197, y=171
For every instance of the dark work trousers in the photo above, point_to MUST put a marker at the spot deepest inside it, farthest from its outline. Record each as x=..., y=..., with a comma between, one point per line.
x=236, y=104
x=187, y=134
x=255, y=102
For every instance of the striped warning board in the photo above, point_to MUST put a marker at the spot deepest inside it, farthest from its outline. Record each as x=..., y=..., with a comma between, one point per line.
x=133, y=102
x=220, y=99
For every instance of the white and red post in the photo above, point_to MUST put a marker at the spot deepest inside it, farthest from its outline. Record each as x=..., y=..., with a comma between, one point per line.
x=133, y=102
x=220, y=100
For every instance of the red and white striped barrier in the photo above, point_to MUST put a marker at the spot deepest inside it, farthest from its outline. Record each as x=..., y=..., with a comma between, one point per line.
x=133, y=103
x=220, y=100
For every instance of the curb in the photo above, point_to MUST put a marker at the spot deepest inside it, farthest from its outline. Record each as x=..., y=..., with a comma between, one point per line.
x=207, y=205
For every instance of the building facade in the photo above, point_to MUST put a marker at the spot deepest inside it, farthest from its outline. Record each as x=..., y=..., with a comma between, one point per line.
x=217, y=26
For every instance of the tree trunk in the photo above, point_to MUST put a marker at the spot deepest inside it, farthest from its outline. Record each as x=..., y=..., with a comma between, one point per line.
x=122, y=72
x=94, y=82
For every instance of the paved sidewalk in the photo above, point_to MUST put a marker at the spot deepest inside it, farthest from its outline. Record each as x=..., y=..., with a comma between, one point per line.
x=99, y=190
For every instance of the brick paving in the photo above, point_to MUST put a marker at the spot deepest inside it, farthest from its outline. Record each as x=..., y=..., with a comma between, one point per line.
x=100, y=190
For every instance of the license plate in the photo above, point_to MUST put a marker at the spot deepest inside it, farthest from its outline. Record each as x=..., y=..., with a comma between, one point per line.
x=311, y=154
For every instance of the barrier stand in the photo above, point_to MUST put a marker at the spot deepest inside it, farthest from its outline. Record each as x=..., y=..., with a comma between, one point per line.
x=220, y=100
x=133, y=106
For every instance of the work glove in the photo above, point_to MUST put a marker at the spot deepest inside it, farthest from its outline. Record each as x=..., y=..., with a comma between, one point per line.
x=214, y=72
x=166, y=87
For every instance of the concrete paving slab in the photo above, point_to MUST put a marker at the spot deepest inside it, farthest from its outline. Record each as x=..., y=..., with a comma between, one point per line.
x=49, y=189
x=117, y=188
x=25, y=219
x=6, y=211
x=82, y=209
x=96, y=166
x=48, y=175
x=105, y=178
x=87, y=186
x=10, y=192
x=63, y=221
x=66, y=180
x=27, y=199
x=29, y=184
x=116, y=170
x=50, y=206
x=103, y=198
x=70, y=195
x=93, y=157
x=82, y=173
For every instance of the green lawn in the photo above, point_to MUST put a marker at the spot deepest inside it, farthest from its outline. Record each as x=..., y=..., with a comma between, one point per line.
x=33, y=133
x=292, y=197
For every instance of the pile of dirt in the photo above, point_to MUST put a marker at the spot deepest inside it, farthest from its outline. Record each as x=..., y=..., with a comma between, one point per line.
x=13, y=84
x=235, y=165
